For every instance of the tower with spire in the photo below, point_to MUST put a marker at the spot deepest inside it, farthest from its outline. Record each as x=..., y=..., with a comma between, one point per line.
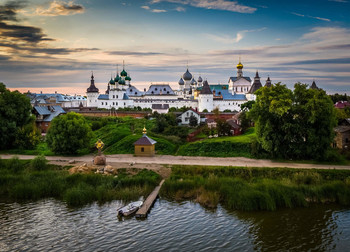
x=205, y=98
x=239, y=84
x=92, y=93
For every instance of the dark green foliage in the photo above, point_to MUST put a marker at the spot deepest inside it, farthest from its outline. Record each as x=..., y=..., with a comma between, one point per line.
x=294, y=124
x=68, y=134
x=245, y=121
x=234, y=146
x=126, y=146
x=76, y=190
x=215, y=149
x=39, y=163
x=247, y=105
x=15, y=165
x=182, y=109
x=16, y=122
x=339, y=97
x=223, y=128
x=193, y=121
x=28, y=136
x=257, y=188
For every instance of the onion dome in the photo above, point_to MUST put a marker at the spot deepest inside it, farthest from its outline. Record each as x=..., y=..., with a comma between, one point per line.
x=239, y=65
x=117, y=78
x=181, y=82
x=128, y=78
x=193, y=82
x=187, y=76
x=123, y=73
x=111, y=81
x=92, y=88
x=200, y=79
x=121, y=82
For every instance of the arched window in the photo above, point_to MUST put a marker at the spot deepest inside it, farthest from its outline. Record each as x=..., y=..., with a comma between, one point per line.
x=142, y=149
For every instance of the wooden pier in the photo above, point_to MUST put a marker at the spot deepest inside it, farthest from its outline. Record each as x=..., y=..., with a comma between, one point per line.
x=142, y=212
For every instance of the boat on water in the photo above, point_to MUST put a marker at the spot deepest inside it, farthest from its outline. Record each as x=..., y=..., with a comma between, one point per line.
x=130, y=208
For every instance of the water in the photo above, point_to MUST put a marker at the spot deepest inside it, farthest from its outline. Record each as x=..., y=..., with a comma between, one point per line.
x=48, y=225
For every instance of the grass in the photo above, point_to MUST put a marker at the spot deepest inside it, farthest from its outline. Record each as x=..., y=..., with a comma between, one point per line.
x=40, y=149
x=230, y=146
x=33, y=180
x=257, y=188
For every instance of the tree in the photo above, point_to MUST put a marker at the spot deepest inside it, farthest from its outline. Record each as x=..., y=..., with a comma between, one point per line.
x=68, y=134
x=15, y=115
x=245, y=121
x=223, y=127
x=193, y=121
x=247, y=105
x=294, y=124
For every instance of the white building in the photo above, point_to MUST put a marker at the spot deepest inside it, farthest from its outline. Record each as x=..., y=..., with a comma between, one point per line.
x=185, y=117
x=190, y=93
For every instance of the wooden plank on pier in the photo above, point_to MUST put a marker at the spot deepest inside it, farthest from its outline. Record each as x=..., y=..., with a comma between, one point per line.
x=142, y=212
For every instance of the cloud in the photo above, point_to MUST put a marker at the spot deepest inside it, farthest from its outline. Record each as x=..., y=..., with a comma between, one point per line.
x=29, y=34
x=229, y=39
x=336, y=47
x=180, y=9
x=212, y=4
x=302, y=15
x=158, y=11
x=58, y=8
x=320, y=61
x=153, y=10
x=133, y=53
x=8, y=11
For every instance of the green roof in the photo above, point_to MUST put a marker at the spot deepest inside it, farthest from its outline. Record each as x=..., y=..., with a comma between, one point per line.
x=128, y=78
x=216, y=87
x=111, y=81
x=123, y=73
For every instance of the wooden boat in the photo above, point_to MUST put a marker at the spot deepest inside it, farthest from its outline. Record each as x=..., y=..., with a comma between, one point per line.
x=130, y=208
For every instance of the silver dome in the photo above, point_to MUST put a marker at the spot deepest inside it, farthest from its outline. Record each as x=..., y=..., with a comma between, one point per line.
x=181, y=82
x=187, y=76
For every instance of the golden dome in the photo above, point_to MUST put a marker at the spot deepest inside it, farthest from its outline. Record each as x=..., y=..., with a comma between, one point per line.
x=239, y=65
x=144, y=130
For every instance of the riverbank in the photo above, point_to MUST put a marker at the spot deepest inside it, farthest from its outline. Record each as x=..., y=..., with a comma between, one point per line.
x=244, y=188
x=248, y=189
x=20, y=180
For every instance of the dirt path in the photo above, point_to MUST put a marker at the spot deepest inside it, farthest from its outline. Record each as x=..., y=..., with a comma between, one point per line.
x=124, y=160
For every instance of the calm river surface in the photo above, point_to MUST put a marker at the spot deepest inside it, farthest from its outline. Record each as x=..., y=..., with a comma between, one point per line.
x=48, y=225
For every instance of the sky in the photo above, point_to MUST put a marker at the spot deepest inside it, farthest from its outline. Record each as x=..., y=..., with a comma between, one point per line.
x=48, y=45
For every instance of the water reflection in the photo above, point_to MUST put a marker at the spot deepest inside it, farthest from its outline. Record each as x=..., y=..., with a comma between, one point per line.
x=318, y=228
x=48, y=225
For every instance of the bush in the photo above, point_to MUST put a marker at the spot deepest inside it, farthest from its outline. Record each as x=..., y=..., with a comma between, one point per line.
x=68, y=134
x=39, y=163
x=15, y=165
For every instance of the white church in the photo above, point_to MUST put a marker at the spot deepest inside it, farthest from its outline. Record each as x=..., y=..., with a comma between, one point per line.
x=198, y=94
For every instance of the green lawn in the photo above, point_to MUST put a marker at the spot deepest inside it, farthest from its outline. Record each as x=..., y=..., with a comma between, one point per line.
x=230, y=146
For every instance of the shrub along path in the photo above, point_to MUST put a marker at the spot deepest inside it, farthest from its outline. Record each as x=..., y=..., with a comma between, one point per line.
x=184, y=160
